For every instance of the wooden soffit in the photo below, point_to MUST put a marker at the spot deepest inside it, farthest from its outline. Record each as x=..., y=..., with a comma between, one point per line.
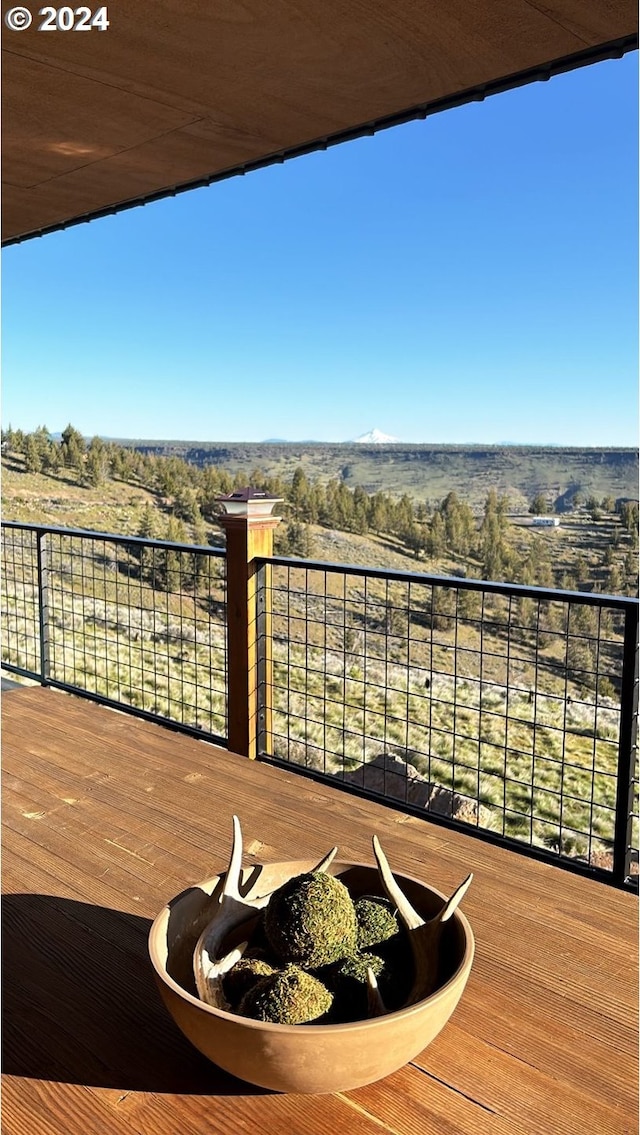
x=176, y=94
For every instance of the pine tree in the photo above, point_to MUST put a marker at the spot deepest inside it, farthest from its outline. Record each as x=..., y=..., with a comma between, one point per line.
x=170, y=570
x=97, y=463
x=436, y=536
x=539, y=505
x=52, y=460
x=186, y=506
x=73, y=448
x=298, y=541
x=32, y=455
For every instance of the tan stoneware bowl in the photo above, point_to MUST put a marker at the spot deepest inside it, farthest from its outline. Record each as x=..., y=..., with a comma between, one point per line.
x=304, y=1058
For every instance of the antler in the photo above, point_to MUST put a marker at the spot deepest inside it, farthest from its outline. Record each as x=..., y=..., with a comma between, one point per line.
x=233, y=910
x=424, y=937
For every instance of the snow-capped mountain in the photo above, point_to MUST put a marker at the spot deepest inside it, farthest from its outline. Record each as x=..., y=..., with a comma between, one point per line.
x=375, y=437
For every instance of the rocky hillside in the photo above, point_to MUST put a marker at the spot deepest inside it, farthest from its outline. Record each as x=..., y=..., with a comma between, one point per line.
x=428, y=472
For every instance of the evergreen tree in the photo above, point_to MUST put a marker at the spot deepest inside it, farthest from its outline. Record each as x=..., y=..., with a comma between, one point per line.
x=32, y=455
x=378, y=513
x=614, y=581
x=299, y=493
x=281, y=545
x=148, y=527
x=436, y=536
x=18, y=440
x=52, y=459
x=630, y=568
x=629, y=518
x=186, y=506
x=581, y=662
x=97, y=463
x=417, y=539
x=73, y=448
x=360, y=511
x=494, y=546
x=539, y=505
x=459, y=524
x=298, y=540
x=172, y=569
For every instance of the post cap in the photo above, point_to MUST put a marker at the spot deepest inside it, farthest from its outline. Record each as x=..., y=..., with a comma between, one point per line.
x=248, y=502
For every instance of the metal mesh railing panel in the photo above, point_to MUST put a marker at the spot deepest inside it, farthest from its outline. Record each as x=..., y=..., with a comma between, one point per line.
x=20, y=604
x=497, y=709
x=136, y=622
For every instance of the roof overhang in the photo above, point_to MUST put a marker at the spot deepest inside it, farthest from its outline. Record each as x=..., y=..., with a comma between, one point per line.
x=177, y=94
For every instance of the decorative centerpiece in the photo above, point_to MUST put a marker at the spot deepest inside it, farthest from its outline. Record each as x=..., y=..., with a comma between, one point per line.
x=311, y=977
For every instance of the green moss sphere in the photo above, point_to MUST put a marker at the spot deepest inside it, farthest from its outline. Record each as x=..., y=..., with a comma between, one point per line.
x=288, y=997
x=243, y=976
x=347, y=980
x=376, y=921
x=311, y=920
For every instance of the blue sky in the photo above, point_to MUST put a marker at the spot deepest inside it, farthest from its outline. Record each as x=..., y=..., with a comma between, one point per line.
x=470, y=278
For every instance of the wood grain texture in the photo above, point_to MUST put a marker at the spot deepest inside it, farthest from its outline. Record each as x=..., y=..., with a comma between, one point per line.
x=247, y=539
x=105, y=817
x=177, y=91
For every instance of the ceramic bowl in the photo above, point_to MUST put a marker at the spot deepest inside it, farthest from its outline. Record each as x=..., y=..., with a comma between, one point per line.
x=304, y=1058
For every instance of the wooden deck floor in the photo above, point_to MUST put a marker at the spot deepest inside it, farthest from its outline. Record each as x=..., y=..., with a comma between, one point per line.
x=105, y=817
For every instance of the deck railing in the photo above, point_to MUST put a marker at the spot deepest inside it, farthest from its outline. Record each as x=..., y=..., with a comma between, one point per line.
x=509, y=711
x=136, y=624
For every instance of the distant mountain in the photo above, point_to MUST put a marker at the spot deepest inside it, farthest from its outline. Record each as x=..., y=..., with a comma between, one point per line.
x=375, y=437
x=284, y=441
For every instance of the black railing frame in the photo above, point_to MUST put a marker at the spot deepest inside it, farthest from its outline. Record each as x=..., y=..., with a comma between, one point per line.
x=44, y=675
x=627, y=750
x=619, y=877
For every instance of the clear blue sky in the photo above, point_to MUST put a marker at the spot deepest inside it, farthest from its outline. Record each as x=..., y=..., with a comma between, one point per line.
x=471, y=278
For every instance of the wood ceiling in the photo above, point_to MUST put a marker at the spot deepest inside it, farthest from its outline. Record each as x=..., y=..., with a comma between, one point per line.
x=179, y=93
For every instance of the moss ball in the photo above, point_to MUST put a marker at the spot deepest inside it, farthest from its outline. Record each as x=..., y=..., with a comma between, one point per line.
x=354, y=968
x=243, y=975
x=347, y=980
x=376, y=921
x=311, y=920
x=287, y=997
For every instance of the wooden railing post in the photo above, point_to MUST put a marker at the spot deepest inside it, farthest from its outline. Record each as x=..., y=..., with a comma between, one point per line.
x=249, y=526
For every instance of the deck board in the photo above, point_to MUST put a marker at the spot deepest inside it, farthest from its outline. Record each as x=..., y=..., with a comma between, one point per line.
x=106, y=816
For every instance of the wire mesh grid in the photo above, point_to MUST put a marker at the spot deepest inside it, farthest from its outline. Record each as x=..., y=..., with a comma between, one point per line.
x=20, y=606
x=634, y=826
x=136, y=622
x=498, y=709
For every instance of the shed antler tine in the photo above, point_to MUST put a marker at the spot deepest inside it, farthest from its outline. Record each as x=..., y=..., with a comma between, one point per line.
x=231, y=886
x=409, y=916
x=325, y=863
x=455, y=899
x=229, y=960
x=375, y=1004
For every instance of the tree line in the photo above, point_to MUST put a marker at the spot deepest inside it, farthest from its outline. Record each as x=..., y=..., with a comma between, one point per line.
x=188, y=494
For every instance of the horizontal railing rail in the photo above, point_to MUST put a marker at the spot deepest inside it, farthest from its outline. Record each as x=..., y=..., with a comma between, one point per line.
x=507, y=711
